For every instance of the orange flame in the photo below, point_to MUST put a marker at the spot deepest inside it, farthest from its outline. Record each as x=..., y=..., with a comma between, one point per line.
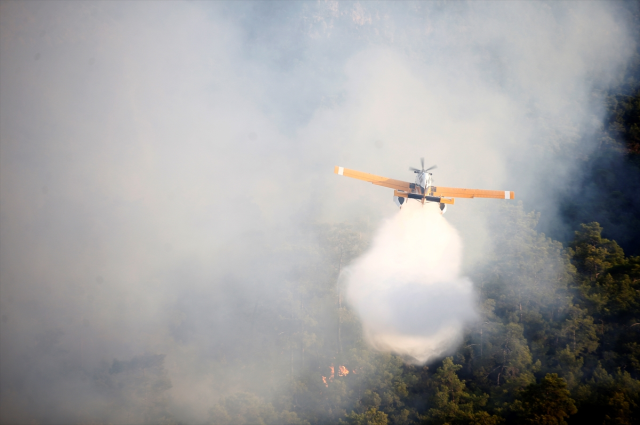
x=324, y=379
x=343, y=371
x=331, y=377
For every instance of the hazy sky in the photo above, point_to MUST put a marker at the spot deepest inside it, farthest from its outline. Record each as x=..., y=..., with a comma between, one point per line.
x=154, y=153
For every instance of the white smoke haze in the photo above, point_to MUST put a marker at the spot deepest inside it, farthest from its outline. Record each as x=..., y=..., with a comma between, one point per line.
x=159, y=159
x=407, y=288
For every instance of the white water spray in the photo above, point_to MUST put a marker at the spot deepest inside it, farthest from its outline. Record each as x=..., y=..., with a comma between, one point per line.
x=407, y=288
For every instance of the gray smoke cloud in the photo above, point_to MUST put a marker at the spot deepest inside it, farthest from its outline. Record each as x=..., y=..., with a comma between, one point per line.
x=158, y=159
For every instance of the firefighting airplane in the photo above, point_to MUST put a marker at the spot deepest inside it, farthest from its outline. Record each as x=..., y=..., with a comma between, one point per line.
x=423, y=189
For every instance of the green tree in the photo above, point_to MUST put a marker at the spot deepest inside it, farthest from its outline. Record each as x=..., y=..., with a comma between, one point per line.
x=370, y=417
x=608, y=399
x=545, y=403
x=452, y=403
x=592, y=253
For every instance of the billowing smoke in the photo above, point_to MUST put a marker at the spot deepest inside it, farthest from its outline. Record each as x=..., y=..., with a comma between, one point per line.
x=407, y=288
x=161, y=163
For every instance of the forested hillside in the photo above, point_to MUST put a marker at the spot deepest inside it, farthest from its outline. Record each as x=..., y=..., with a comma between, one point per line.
x=558, y=342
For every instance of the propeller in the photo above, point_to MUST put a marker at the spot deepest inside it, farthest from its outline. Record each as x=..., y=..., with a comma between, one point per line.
x=415, y=170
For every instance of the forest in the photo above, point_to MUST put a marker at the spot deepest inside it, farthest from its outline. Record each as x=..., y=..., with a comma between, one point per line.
x=558, y=343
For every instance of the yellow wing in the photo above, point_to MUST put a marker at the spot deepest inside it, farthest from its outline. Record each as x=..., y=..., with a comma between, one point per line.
x=380, y=181
x=454, y=192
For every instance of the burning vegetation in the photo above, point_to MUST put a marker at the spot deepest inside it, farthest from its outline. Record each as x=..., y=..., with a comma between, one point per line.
x=342, y=371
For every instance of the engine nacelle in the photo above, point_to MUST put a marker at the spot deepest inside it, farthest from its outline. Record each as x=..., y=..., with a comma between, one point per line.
x=443, y=208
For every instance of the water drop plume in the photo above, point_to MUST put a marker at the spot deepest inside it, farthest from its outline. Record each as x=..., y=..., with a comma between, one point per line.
x=407, y=287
